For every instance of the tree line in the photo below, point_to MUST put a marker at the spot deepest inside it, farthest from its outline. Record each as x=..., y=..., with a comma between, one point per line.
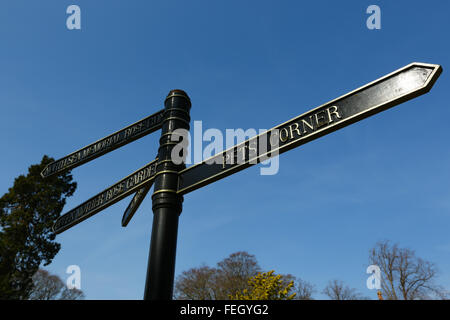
x=31, y=206
x=403, y=276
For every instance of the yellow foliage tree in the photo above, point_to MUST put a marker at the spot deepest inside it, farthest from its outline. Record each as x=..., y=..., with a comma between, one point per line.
x=266, y=286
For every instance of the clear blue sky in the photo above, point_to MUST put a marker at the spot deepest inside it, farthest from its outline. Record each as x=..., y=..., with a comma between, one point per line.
x=244, y=65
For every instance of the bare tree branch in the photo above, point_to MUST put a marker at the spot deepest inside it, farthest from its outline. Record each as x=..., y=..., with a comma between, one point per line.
x=336, y=290
x=403, y=275
x=50, y=287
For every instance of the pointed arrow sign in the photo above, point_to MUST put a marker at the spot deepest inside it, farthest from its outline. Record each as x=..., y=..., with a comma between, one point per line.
x=397, y=87
x=113, y=141
x=107, y=197
x=135, y=203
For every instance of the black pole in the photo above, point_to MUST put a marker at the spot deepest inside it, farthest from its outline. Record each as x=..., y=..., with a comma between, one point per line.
x=166, y=203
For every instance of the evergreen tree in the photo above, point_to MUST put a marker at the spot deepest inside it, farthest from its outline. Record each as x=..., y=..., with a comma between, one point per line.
x=27, y=213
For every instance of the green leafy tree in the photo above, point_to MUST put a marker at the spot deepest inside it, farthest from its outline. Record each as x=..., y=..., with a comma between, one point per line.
x=266, y=286
x=27, y=213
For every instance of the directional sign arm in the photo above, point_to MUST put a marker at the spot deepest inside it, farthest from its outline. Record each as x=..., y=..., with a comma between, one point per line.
x=107, y=197
x=397, y=87
x=113, y=141
x=135, y=203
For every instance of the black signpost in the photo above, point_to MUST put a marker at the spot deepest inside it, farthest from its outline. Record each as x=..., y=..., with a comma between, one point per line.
x=166, y=202
x=172, y=181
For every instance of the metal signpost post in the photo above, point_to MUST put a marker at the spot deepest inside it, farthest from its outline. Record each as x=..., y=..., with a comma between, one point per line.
x=172, y=181
x=166, y=202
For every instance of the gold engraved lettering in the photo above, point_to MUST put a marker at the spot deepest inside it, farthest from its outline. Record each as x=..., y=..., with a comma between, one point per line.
x=100, y=199
x=76, y=214
x=93, y=205
x=106, y=143
x=148, y=172
x=140, y=176
x=335, y=112
x=137, y=127
x=291, y=129
x=74, y=158
x=309, y=125
x=241, y=160
x=286, y=134
x=70, y=159
x=109, y=194
x=133, y=130
x=118, y=189
x=273, y=138
x=86, y=152
x=130, y=183
x=320, y=120
x=61, y=164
